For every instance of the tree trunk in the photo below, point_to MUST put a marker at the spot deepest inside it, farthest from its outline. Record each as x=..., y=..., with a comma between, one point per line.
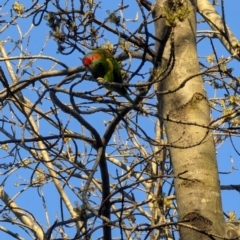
x=186, y=116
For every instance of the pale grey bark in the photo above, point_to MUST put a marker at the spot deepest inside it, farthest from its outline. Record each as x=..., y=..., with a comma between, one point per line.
x=186, y=117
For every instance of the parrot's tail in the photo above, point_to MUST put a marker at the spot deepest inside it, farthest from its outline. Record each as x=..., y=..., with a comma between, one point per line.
x=128, y=98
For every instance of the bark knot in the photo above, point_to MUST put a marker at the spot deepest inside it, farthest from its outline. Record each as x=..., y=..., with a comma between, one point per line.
x=198, y=221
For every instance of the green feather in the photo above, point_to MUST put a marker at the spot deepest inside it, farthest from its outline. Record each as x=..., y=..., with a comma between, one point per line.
x=102, y=64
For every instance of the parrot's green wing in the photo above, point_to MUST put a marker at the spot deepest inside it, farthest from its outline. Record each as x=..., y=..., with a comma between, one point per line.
x=115, y=76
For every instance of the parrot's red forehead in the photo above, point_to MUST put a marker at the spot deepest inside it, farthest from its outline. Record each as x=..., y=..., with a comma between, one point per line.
x=88, y=59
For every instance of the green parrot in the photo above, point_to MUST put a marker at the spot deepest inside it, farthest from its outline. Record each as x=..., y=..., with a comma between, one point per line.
x=102, y=64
